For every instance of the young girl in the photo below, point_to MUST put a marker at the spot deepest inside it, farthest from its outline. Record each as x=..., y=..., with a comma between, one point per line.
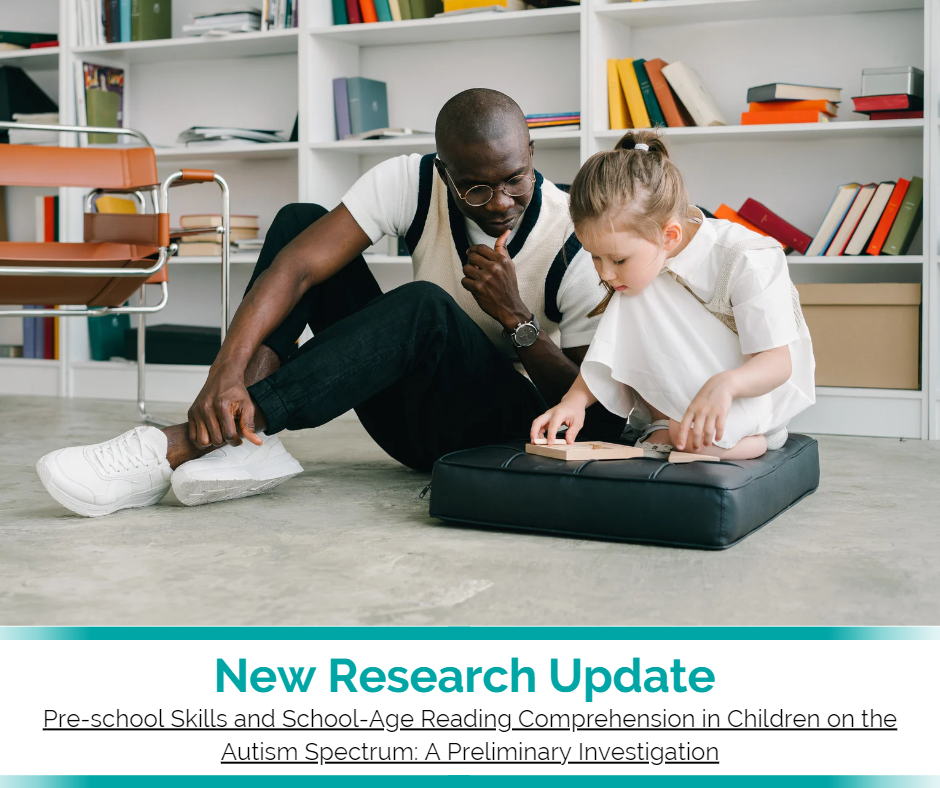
x=702, y=343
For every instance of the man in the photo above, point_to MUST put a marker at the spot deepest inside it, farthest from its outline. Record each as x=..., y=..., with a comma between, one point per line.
x=502, y=286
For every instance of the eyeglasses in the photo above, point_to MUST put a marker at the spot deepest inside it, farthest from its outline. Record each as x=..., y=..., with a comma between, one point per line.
x=478, y=196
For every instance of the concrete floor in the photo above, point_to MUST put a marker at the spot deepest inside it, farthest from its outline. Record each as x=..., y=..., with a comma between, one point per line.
x=350, y=542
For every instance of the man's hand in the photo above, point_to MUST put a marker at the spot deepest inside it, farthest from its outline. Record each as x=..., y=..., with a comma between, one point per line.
x=490, y=277
x=223, y=412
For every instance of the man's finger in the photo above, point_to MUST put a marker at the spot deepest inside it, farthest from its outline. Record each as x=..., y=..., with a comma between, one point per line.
x=484, y=252
x=227, y=424
x=500, y=245
x=202, y=434
x=472, y=271
x=247, y=424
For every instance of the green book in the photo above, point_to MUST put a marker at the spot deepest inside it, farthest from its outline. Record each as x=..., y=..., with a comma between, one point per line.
x=425, y=9
x=25, y=40
x=405, y=7
x=151, y=19
x=340, y=16
x=368, y=104
x=649, y=95
x=907, y=221
x=102, y=107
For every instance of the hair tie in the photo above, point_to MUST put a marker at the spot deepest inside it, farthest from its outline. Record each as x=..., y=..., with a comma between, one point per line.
x=641, y=146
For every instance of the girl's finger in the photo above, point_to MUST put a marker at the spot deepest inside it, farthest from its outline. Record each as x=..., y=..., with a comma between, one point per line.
x=720, y=426
x=538, y=426
x=684, y=428
x=698, y=430
x=553, y=426
x=574, y=427
x=708, y=434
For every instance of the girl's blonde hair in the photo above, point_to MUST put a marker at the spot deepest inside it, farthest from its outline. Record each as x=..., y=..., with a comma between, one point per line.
x=636, y=190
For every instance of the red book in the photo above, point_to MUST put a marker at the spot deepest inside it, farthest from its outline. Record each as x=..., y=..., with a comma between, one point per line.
x=880, y=235
x=49, y=236
x=881, y=103
x=368, y=11
x=774, y=226
x=43, y=44
x=352, y=9
x=896, y=114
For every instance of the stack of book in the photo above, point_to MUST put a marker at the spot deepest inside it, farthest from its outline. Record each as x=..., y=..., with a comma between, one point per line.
x=361, y=108
x=41, y=334
x=891, y=93
x=219, y=135
x=31, y=137
x=243, y=229
x=236, y=20
x=863, y=219
x=118, y=21
x=785, y=103
x=648, y=93
x=569, y=120
x=279, y=14
x=354, y=12
x=10, y=40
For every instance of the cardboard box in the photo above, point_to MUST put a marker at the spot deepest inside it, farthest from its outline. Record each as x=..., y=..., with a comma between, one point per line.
x=864, y=335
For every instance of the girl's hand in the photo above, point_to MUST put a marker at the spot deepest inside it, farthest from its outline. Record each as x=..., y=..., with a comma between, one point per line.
x=568, y=411
x=705, y=418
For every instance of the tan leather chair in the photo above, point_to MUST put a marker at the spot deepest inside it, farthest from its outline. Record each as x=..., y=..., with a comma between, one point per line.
x=120, y=253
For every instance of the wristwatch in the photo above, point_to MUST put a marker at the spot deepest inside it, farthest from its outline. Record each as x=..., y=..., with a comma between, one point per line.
x=525, y=334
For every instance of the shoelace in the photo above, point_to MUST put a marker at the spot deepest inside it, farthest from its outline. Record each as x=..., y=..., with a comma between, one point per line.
x=117, y=455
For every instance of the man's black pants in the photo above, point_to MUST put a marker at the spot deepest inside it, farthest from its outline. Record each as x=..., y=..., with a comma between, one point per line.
x=421, y=375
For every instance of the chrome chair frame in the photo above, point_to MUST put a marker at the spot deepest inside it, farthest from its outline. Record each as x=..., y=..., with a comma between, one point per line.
x=160, y=200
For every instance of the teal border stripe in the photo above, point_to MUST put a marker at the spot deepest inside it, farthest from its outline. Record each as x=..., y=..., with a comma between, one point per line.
x=463, y=781
x=469, y=633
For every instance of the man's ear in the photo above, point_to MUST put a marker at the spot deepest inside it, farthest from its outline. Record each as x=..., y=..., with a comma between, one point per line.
x=672, y=235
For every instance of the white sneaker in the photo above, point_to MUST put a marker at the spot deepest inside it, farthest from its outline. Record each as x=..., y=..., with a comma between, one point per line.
x=126, y=472
x=235, y=472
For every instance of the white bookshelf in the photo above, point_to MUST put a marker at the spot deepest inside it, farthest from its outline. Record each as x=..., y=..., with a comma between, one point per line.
x=552, y=60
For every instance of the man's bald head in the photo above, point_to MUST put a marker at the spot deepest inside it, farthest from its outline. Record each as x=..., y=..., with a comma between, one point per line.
x=479, y=115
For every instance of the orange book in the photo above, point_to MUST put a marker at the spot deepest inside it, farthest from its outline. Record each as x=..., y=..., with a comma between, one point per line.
x=880, y=235
x=368, y=11
x=724, y=212
x=793, y=116
x=673, y=110
x=797, y=116
x=794, y=106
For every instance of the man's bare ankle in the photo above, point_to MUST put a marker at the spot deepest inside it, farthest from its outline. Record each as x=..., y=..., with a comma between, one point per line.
x=179, y=448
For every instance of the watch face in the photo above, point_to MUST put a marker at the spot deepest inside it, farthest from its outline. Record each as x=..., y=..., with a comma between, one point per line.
x=526, y=335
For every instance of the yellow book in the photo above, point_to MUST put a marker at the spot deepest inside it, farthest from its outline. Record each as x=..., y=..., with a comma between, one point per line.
x=631, y=89
x=617, y=104
x=463, y=5
x=108, y=204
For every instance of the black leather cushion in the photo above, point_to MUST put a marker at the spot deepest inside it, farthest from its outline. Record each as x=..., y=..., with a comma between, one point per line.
x=708, y=505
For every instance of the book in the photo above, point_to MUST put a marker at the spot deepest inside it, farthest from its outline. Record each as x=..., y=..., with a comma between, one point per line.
x=674, y=111
x=404, y=7
x=692, y=92
x=114, y=26
x=394, y=7
x=104, y=100
x=340, y=16
x=649, y=96
x=367, y=9
x=11, y=351
x=368, y=104
x=235, y=234
x=902, y=114
x=190, y=221
x=838, y=208
x=125, y=16
x=466, y=5
x=43, y=44
x=728, y=214
x=425, y=9
x=199, y=249
x=852, y=217
x=19, y=94
x=898, y=101
x=30, y=136
x=388, y=134
x=782, y=91
x=880, y=235
x=866, y=227
x=353, y=12
x=774, y=226
x=631, y=90
x=820, y=105
x=106, y=9
x=616, y=100
x=796, y=116
x=383, y=10
x=26, y=40
x=341, y=108
x=151, y=19
x=907, y=221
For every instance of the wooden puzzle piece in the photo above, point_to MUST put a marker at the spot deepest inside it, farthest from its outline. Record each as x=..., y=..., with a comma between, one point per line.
x=580, y=452
x=681, y=456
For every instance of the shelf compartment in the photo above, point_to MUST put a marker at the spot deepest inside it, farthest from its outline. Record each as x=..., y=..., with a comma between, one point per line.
x=853, y=411
x=250, y=150
x=30, y=376
x=43, y=59
x=459, y=28
x=908, y=259
x=424, y=143
x=236, y=45
x=661, y=13
x=784, y=132
x=117, y=380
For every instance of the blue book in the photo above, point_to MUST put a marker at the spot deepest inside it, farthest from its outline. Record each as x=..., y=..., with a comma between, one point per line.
x=125, y=15
x=368, y=104
x=341, y=106
x=835, y=215
x=29, y=335
x=340, y=17
x=383, y=11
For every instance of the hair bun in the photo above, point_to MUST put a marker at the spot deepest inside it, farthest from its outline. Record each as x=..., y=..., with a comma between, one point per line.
x=647, y=137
